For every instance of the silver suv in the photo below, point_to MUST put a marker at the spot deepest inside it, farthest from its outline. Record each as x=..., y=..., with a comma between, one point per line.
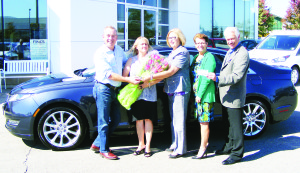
x=280, y=48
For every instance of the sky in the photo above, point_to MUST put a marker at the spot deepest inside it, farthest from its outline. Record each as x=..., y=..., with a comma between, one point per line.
x=278, y=7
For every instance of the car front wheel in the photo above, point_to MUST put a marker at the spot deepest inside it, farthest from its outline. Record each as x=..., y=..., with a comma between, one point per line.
x=61, y=128
x=255, y=118
x=295, y=75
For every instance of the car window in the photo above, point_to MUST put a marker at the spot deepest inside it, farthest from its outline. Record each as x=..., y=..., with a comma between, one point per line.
x=221, y=44
x=280, y=42
x=298, y=53
x=210, y=44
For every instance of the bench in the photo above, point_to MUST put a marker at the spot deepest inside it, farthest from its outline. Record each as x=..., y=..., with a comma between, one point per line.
x=24, y=69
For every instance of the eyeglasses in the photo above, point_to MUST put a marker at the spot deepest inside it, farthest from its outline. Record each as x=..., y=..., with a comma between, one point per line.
x=202, y=43
x=172, y=38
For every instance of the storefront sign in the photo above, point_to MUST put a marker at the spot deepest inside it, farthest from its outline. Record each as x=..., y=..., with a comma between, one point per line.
x=38, y=49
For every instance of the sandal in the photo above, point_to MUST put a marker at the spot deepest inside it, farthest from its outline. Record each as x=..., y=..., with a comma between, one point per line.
x=148, y=154
x=138, y=152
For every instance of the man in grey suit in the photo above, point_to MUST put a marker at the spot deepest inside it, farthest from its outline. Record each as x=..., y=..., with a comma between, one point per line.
x=232, y=89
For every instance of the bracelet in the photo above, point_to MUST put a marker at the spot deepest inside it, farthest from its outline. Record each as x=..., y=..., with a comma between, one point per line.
x=149, y=84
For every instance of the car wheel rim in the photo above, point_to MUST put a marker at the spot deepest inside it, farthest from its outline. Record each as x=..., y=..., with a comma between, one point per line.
x=254, y=119
x=294, y=76
x=61, y=129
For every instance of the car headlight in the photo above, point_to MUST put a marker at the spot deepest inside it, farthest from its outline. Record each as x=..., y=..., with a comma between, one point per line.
x=280, y=59
x=18, y=97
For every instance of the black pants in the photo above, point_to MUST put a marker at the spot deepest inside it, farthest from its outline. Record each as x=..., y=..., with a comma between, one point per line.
x=234, y=137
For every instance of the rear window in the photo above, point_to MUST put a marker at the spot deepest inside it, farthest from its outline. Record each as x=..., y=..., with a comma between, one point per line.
x=280, y=42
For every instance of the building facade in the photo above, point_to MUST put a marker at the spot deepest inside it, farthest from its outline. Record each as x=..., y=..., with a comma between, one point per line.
x=68, y=32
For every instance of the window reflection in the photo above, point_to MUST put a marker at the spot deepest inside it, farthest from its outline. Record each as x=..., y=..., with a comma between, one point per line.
x=163, y=3
x=25, y=29
x=206, y=17
x=223, y=17
x=150, y=3
x=135, y=2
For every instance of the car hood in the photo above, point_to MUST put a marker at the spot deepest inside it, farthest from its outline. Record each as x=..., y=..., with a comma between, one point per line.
x=51, y=79
x=266, y=56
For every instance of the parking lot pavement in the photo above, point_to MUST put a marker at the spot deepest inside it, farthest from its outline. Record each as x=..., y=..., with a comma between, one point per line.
x=277, y=150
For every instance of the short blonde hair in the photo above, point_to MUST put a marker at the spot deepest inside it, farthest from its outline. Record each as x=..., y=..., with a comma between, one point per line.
x=133, y=50
x=178, y=34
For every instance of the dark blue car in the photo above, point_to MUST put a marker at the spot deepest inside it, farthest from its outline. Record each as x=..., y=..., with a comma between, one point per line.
x=60, y=110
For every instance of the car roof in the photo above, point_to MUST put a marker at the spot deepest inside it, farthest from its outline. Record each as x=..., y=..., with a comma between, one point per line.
x=285, y=32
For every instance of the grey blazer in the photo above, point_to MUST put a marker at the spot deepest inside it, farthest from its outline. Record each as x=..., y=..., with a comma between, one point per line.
x=232, y=79
x=180, y=81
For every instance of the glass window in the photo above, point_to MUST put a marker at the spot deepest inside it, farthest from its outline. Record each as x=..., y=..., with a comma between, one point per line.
x=121, y=31
x=222, y=19
x=244, y=18
x=134, y=25
x=121, y=0
x=163, y=32
x=135, y=2
x=150, y=3
x=163, y=3
x=25, y=29
x=150, y=26
x=163, y=17
x=206, y=17
x=121, y=12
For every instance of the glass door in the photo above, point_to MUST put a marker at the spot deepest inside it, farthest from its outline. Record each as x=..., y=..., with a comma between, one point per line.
x=141, y=22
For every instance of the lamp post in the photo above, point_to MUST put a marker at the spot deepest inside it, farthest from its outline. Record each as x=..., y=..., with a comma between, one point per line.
x=29, y=24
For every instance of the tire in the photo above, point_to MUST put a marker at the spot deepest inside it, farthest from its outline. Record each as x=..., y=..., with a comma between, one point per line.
x=295, y=75
x=255, y=118
x=61, y=128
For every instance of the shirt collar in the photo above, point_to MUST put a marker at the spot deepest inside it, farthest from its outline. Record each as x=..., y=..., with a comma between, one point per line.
x=106, y=49
x=236, y=47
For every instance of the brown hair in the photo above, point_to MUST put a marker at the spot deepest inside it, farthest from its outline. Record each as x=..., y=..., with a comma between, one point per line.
x=201, y=36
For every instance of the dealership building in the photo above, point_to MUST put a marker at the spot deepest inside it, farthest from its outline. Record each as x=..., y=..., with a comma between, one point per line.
x=66, y=33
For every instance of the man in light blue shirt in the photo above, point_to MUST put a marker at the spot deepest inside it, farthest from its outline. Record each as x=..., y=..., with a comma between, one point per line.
x=108, y=61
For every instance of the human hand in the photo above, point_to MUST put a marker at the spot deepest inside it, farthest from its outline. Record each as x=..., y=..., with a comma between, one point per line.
x=134, y=80
x=146, y=79
x=143, y=85
x=212, y=76
x=198, y=99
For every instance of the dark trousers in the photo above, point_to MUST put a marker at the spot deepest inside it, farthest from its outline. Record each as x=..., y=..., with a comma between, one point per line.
x=234, y=137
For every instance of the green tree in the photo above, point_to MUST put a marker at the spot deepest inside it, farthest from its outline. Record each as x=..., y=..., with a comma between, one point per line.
x=293, y=15
x=265, y=19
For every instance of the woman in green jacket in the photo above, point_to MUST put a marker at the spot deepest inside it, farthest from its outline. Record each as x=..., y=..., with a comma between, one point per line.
x=204, y=90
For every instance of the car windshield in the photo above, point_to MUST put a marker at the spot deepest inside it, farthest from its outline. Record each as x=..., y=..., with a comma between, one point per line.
x=280, y=42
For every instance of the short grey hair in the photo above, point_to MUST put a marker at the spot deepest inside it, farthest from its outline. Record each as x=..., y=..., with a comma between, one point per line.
x=232, y=30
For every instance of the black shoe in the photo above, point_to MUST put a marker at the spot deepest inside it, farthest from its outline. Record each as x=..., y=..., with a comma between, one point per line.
x=221, y=152
x=230, y=161
x=204, y=154
x=175, y=156
x=148, y=154
x=138, y=152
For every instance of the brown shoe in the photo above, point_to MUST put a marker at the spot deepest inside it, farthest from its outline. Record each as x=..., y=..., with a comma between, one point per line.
x=109, y=156
x=95, y=148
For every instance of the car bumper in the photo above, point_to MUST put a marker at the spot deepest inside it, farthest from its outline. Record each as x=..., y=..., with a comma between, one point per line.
x=284, y=108
x=20, y=125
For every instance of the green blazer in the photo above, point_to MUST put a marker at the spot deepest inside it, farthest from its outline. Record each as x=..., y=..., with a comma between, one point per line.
x=206, y=87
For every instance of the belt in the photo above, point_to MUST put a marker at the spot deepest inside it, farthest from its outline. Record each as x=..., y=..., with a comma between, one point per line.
x=177, y=93
x=108, y=85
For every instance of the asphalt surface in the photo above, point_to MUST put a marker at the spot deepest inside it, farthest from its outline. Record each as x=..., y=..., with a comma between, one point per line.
x=277, y=150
